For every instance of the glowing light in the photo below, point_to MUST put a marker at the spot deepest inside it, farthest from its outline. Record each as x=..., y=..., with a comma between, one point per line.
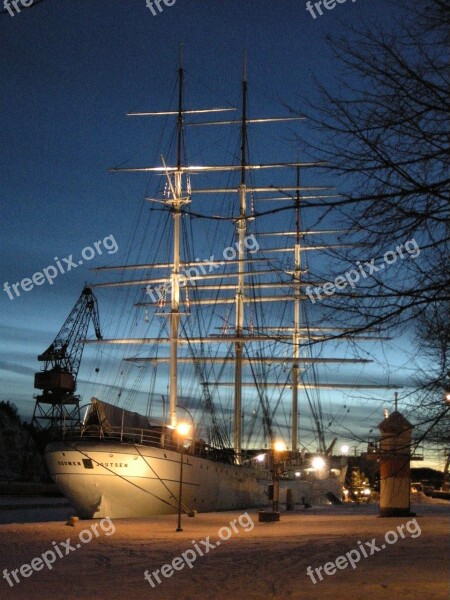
x=183, y=429
x=366, y=492
x=279, y=446
x=260, y=457
x=345, y=449
x=318, y=462
x=297, y=474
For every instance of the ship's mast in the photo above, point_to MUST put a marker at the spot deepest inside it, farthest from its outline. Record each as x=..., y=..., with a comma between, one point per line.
x=295, y=336
x=177, y=202
x=241, y=226
x=279, y=290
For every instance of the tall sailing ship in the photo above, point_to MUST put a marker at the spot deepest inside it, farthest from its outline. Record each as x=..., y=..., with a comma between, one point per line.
x=233, y=324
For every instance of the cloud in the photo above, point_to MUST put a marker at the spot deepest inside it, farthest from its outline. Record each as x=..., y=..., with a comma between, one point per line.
x=18, y=368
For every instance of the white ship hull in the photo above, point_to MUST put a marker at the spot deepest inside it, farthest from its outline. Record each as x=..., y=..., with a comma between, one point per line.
x=120, y=480
x=125, y=480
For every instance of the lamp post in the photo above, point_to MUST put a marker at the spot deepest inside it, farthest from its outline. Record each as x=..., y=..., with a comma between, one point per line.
x=270, y=516
x=277, y=447
x=182, y=431
x=345, y=449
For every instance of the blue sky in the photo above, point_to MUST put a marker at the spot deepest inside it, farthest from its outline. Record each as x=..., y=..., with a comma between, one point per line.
x=71, y=70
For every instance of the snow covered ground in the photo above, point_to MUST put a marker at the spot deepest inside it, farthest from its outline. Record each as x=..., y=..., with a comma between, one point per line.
x=258, y=561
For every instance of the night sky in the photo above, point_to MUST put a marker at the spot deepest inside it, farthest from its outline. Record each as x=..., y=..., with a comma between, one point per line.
x=71, y=70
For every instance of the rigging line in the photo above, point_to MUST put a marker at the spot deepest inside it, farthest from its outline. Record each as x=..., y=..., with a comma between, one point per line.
x=219, y=97
x=317, y=414
x=118, y=474
x=251, y=428
x=267, y=416
x=263, y=403
x=133, y=391
x=185, y=508
x=271, y=413
x=201, y=316
x=151, y=392
x=218, y=378
x=199, y=370
x=256, y=214
x=121, y=308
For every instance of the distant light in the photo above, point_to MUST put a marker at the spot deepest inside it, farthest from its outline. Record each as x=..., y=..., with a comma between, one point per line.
x=183, y=429
x=367, y=492
x=279, y=446
x=447, y=397
x=297, y=473
x=345, y=449
x=260, y=457
x=318, y=462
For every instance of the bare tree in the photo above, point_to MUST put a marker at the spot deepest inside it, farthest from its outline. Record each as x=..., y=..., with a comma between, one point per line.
x=386, y=139
x=431, y=409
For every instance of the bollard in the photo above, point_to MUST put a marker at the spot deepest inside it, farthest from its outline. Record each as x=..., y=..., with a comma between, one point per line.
x=395, y=455
x=268, y=516
x=289, y=500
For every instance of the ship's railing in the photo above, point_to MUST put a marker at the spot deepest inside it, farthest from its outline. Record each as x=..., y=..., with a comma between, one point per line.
x=415, y=448
x=159, y=437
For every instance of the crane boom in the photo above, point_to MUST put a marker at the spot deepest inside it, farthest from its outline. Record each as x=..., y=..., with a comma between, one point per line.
x=63, y=357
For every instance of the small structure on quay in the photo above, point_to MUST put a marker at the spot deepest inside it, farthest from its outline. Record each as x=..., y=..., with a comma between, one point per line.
x=395, y=456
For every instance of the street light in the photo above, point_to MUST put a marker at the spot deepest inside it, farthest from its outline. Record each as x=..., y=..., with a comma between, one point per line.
x=182, y=431
x=318, y=463
x=277, y=447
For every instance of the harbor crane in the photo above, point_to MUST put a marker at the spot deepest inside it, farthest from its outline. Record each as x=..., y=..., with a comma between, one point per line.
x=57, y=407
